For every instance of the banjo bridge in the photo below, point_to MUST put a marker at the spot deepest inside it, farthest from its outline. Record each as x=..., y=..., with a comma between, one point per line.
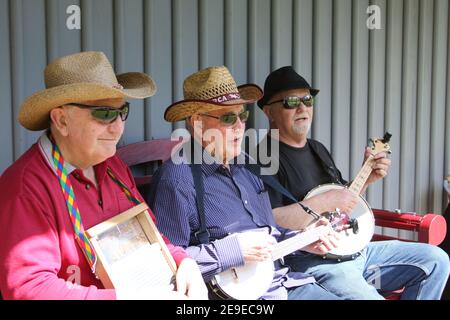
x=235, y=275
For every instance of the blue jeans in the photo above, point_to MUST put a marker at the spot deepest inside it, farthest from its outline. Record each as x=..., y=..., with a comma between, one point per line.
x=421, y=269
x=311, y=291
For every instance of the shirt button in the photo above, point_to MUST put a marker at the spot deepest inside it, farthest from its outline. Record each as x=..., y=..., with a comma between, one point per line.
x=88, y=186
x=245, y=201
x=100, y=202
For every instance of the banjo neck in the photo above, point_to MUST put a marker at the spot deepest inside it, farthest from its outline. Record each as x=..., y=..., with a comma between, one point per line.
x=298, y=241
x=447, y=187
x=379, y=145
x=361, y=178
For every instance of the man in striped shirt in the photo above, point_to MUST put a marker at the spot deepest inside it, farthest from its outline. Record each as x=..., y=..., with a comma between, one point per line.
x=235, y=201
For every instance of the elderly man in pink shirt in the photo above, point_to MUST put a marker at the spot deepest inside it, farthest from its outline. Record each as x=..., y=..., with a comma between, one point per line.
x=82, y=111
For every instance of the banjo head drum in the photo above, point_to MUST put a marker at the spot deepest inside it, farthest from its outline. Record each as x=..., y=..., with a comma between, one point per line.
x=351, y=243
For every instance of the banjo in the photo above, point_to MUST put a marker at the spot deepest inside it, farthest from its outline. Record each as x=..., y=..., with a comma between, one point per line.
x=361, y=219
x=447, y=186
x=252, y=280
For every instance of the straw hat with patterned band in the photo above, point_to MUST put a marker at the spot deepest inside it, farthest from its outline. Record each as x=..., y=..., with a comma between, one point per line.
x=78, y=78
x=211, y=89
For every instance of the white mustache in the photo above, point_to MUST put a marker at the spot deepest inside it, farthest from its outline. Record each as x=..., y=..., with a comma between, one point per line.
x=301, y=117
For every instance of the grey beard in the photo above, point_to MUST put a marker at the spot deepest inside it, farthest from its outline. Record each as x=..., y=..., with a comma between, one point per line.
x=301, y=129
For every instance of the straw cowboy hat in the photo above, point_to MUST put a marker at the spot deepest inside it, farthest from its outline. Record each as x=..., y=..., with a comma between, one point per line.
x=77, y=78
x=211, y=89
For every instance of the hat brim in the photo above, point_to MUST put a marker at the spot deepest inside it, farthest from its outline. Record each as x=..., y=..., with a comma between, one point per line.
x=35, y=110
x=184, y=109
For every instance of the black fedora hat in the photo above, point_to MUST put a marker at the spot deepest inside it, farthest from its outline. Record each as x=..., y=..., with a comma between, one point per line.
x=283, y=79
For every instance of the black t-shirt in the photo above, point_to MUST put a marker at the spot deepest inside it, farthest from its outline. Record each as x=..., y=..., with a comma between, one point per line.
x=301, y=170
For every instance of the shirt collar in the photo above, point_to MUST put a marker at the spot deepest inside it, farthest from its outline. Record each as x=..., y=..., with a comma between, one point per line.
x=45, y=145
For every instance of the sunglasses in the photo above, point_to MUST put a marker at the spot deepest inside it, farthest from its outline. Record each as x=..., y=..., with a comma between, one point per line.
x=293, y=102
x=230, y=119
x=106, y=114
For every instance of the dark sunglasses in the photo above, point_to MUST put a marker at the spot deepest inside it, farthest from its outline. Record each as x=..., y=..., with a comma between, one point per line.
x=293, y=102
x=230, y=119
x=106, y=114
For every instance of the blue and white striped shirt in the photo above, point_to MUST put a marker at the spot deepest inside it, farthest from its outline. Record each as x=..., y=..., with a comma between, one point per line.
x=235, y=201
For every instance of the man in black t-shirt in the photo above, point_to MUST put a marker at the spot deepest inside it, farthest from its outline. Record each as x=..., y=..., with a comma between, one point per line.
x=304, y=164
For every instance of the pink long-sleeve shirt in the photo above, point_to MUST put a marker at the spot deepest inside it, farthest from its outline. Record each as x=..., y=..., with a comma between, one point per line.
x=39, y=256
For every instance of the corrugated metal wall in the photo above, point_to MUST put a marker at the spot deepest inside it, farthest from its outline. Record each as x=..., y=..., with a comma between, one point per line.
x=395, y=79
